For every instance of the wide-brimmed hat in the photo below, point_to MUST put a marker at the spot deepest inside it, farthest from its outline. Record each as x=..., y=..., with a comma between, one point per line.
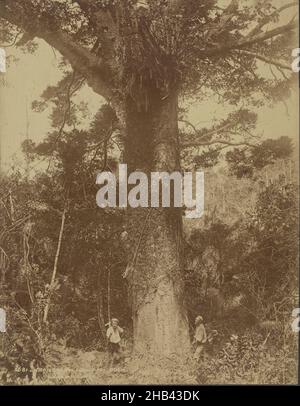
x=198, y=319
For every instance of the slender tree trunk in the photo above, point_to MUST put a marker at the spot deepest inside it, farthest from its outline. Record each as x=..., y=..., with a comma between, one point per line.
x=155, y=278
x=108, y=295
x=100, y=304
x=11, y=204
x=61, y=231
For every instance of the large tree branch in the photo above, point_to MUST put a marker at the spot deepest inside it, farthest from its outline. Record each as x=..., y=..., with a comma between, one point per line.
x=237, y=123
x=96, y=70
x=82, y=60
x=270, y=61
x=208, y=134
x=103, y=19
x=249, y=40
x=226, y=16
x=216, y=142
x=270, y=17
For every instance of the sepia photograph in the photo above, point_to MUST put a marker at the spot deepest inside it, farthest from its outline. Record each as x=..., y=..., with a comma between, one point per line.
x=149, y=193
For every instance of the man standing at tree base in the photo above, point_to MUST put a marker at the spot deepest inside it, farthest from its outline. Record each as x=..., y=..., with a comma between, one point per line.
x=200, y=337
x=113, y=335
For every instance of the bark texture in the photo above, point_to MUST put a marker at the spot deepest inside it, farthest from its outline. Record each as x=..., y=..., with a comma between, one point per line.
x=155, y=278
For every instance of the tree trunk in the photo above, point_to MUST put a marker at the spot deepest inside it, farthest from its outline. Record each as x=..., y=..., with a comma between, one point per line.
x=155, y=278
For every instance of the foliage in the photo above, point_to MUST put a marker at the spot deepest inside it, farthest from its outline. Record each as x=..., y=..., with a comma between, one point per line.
x=249, y=359
x=244, y=163
x=81, y=299
x=244, y=274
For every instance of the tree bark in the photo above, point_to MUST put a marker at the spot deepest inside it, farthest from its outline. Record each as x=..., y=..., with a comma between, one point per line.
x=160, y=322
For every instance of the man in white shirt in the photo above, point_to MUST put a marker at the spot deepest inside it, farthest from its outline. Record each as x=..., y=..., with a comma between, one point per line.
x=113, y=335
